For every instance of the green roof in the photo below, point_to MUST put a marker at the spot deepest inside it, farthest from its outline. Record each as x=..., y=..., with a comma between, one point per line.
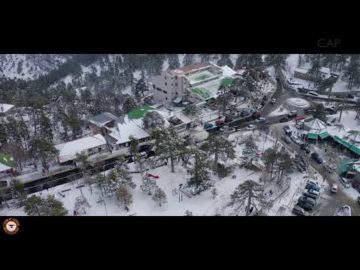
x=139, y=112
x=324, y=135
x=227, y=81
x=7, y=160
x=201, y=92
x=312, y=136
x=345, y=165
x=348, y=145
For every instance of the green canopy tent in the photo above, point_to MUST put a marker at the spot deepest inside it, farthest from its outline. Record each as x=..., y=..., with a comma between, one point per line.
x=312, y=136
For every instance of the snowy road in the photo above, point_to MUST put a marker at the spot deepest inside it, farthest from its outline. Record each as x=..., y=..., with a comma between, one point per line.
x=328, y=203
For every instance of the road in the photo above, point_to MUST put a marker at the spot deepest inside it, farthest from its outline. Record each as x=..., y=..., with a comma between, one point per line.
x=328, y=202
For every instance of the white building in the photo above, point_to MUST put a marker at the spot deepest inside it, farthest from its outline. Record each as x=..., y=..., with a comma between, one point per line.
x=5, y=109
x=88, y=145
x=195, y=83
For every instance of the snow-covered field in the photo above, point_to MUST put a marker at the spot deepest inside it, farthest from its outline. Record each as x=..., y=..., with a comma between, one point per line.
x=177, y=204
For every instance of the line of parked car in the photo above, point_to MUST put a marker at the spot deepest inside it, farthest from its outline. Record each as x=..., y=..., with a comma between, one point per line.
x=308, y=201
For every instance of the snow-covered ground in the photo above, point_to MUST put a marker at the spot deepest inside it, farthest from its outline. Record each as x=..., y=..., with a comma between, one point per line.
x=203, y=204
x=279, y=111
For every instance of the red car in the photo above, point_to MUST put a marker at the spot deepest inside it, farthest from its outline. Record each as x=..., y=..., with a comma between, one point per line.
x=153, y=176
x=299, y=118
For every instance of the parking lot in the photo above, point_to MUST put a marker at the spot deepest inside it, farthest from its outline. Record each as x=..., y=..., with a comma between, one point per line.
x=327, y=203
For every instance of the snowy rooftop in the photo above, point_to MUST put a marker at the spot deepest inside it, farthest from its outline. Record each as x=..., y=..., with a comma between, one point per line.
x=102, y=119
x=67, y=151
x=209, y=89
x=5, y=107
x=4, y=168
x=316, y=126
x=191, y=68
x=126, y=127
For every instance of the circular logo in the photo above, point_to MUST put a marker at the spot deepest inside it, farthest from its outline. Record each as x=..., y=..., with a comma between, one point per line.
x=11, y=226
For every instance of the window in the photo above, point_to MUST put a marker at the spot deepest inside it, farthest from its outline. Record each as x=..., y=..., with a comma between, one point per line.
x=158, y=89
x=165, y=91
x=166, y=83
x=154, y=86
x=175, y=77
x=166, y=98
x=165, y=77
x=99, y=149
x=176, y=84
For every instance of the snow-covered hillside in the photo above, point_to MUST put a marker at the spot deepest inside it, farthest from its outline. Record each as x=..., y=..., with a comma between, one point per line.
x=29, y=66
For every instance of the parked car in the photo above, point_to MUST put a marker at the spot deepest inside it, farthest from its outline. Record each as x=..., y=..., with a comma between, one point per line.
x=315, y=156
x=312, y=186
x=295, y=139
x=312, y=193
x=313, y=183
x=305, y=147
x=312, y=93
x=345, y=182
x=307, y=200
x=256, y=115
x=356, y=185
x=208, y=126
x=292, y=114
x=306, y=206
x=260, y=120
x=302, y=90
x=273, y=100
x=251, y=127
x=286, y=139
x=298, y=211
x=283, y=120
x=334, y=188
x=329, y=169
x=245, y=113
x=358, y=199
x=331, y=111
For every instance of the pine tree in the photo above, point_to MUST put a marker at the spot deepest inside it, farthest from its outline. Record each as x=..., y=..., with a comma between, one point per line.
x=300, y=61
x=352, y=71
x=33, y=206
x=319, y=112
x=42, y=150
x=248, y=194
x=168, y=144
x=37, y=206
x=54, y=207
x=328, y=60
x=134, y=151
x=285, y=164
x=249, y=61
x=270, y=157
x=129, y=104
x=218, y=146
x=159, y=196
x=205, y=58
x=315, y=72
x=45, y=127
x=188, y=59
x=278, y=61
x=174, y=62
x=18, y=191
x=225, y=61
x=200, y=178
x=153, y=120
x=124, y=196
x=140, y=88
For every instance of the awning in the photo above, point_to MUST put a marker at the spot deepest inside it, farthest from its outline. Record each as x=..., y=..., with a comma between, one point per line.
x=312, y=136
x=324, y=135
